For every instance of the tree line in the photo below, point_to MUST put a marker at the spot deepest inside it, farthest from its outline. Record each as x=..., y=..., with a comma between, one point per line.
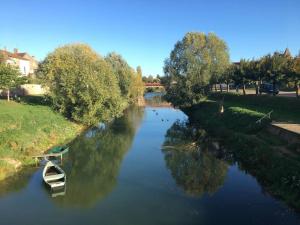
x=83, y=85
x=277, y=68
x=200, y=61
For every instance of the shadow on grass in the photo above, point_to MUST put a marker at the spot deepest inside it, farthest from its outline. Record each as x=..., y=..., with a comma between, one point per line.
x=35, y=100
x=30, y=99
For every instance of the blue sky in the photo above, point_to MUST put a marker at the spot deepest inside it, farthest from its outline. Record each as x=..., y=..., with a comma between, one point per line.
x=145, y=32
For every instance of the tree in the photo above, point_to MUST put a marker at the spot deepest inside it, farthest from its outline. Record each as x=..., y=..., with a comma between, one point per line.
x=10, y=77
x=193, y=63
x=293, y=67
x=138, y=84
x=241, y=74
x=150, y=78
x=255, y=74
x=82, y=84
x=274, y=67
x=228, y=75
x=123, y=72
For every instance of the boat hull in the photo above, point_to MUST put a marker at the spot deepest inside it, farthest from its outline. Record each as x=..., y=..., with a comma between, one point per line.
x=54, y=176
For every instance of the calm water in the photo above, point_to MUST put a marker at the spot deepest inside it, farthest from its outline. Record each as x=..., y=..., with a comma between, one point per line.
x=140, y=170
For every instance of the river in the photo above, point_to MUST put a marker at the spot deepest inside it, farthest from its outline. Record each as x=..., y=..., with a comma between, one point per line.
x=143, y=169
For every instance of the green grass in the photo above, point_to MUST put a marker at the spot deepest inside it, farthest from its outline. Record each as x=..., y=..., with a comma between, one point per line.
x=284, y=109
x=234, y=118
x=29, y=128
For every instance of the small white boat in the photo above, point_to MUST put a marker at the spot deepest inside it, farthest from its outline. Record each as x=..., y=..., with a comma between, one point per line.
x=54, y=176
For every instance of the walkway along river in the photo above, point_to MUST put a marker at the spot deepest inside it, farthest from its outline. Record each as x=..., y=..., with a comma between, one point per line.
x=144, y=168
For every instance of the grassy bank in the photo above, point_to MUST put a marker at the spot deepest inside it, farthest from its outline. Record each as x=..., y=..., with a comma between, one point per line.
x=29, y=128
x=269, y=159
x=284, y=109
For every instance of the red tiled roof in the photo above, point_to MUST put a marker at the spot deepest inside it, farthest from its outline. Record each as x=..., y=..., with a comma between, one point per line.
x=15, y=55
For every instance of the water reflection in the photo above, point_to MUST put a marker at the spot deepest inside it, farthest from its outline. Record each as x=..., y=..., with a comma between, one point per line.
x=94, y=160
x=156, y=100
x=199, y=164
x=17, y=182
x=194, y=167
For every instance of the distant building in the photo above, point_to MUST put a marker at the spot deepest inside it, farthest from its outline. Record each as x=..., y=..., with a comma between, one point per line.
x=25, y=62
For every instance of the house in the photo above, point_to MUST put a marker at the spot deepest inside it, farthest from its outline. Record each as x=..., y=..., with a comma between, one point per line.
x=25, y=62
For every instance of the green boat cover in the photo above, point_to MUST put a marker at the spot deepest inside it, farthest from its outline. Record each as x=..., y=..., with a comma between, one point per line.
x=57, y=149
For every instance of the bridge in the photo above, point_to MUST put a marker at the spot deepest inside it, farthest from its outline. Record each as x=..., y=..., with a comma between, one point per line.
x=154, y=85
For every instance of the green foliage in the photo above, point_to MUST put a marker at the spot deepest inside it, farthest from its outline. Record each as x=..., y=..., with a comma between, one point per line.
x=10, y=77
x=277, y=68
x=138, y=84
x=193, y=63
x=82, y=84
x=274, y=66
x=123, y=72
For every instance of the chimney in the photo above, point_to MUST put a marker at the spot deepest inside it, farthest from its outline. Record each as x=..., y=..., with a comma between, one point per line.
x=15, y=50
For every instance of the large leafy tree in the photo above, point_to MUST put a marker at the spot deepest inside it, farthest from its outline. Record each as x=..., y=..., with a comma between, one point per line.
x=10, y=77
x=195, y=61
x=123, y=72
x=82, y=84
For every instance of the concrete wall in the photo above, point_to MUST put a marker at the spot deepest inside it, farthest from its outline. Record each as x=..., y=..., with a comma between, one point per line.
x=32, y=89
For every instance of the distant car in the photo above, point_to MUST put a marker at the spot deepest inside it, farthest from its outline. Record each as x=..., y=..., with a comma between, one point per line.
x=268, y=88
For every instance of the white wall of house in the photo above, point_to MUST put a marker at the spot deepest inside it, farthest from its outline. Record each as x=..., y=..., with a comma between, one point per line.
x=24, y=66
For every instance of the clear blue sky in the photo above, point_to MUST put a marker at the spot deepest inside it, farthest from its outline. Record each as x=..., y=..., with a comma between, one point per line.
x=144, y=32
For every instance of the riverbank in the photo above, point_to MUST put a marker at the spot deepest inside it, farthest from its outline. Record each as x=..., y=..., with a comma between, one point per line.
x=28, y=128
x=283, y=109
x=273, y=161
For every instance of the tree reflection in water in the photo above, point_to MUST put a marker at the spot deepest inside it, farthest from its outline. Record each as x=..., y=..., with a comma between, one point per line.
x=194, y=167
x=94, y=160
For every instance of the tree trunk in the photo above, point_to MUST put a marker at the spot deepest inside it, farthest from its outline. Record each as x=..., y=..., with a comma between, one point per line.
x=215, y=87
x=260, y=82
x=297, y=89
x=274, y=83
x=227, y=87
x=244, y=89
x=8, y=95
x=221, y=89
x=256, y=87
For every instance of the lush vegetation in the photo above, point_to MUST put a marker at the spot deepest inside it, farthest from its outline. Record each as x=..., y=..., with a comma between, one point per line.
x=198, y=62
x=28, y=129
x=130, y=81
x=86, y=87
x=195, y=62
